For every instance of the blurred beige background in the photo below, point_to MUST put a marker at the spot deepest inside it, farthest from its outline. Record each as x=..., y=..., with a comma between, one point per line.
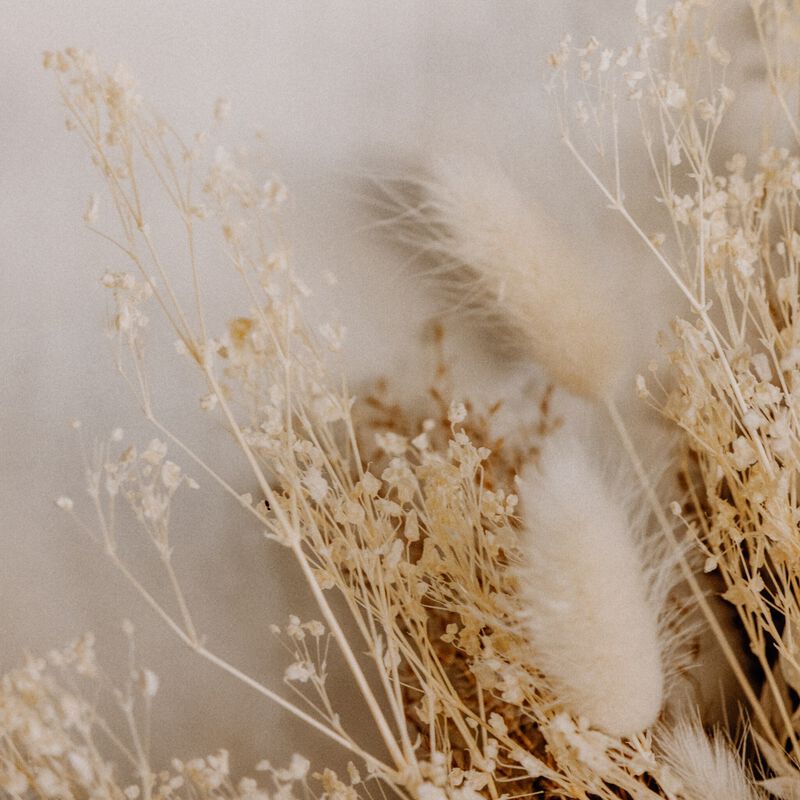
x=342, y=89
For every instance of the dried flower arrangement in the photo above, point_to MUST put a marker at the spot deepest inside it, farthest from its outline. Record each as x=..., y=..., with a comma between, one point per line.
x=521, y=619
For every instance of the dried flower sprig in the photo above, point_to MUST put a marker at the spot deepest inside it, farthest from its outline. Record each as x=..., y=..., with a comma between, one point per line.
x=274, y=362
x=423, y=553
x=732, y=373
x=417, y=530
x=55, y=743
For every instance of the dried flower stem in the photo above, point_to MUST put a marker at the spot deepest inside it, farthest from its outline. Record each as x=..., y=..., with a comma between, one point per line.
x=699, y=306
x=194, y=644
x=189, y=636
x=687, y=571
x=774, y=83
x=293, y=537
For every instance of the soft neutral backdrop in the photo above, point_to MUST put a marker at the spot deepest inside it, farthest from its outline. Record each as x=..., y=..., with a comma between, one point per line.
x=343, y=89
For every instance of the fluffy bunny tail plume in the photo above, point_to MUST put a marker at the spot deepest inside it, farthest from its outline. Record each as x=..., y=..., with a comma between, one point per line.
x=706, y=768
x=590, y=610
x=504, y=258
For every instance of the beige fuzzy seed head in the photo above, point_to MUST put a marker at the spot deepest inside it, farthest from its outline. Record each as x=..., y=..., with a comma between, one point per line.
x=510, y=260
x=592, y=623
x=706, y=767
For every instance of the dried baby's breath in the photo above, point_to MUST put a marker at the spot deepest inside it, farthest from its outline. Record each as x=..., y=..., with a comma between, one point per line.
x=410, y=515
x=730, y=384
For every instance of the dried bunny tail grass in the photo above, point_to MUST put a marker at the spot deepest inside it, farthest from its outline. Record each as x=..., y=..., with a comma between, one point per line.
x=707, y=767
x=503, y=258
x=592, y=605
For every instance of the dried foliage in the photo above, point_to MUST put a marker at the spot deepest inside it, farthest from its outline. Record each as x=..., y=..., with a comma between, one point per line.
x=730, y=247
x=483, y=619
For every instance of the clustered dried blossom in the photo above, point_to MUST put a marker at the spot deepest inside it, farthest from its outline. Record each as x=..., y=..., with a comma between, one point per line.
x=56, y=744
x=415, y=523
x=731, y=385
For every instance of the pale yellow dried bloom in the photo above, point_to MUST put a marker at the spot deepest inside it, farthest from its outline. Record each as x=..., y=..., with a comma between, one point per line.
x=420, y=546
x=732, y=386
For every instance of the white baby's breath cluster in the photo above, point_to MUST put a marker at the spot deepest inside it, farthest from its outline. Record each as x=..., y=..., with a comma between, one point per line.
x=57, y=743
x=731, y=383
x=505, y=639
